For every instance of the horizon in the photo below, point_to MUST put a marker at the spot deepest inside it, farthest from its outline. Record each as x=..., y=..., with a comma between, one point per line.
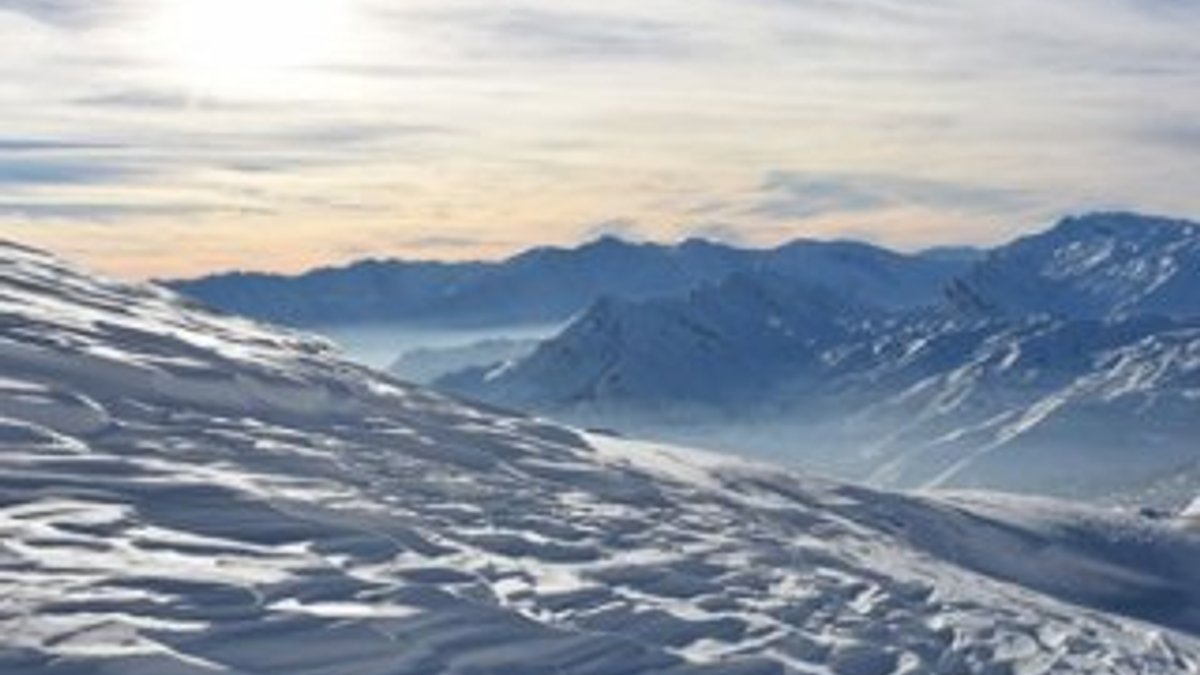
x=621, y=237
x=168, y=138
x=628, y=240
x=502, y=257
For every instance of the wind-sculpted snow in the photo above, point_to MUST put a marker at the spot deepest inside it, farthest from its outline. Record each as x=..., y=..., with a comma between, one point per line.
x=187, y=493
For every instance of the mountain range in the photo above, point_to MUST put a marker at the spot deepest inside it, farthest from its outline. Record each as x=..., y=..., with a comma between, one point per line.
x=185, y=492
x=1066, y=363
x=550, y=285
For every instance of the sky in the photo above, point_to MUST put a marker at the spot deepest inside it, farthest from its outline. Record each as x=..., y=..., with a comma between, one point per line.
x=166, y=138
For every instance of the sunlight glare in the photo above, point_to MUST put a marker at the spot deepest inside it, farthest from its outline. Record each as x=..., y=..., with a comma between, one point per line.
x=246, y=44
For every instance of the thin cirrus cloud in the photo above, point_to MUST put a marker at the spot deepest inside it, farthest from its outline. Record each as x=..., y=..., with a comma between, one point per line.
x=549, y=33
x=25, y=171
x=56, y=11
x=468, y=128
x=796, y=195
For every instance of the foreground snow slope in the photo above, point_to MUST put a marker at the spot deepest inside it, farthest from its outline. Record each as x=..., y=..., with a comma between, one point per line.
x=182, y=492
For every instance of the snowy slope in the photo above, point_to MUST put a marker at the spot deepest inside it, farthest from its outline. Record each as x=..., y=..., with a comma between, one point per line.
x=1095, y=266
x=549, y=285
x=182, y=492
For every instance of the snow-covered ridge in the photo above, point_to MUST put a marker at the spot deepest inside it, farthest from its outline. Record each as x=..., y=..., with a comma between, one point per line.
x=722, y=343
x=183, y=492
x=1095, y=266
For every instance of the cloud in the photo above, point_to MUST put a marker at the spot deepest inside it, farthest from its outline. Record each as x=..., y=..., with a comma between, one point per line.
x=446, y=241
x=517, y=120
x=142, y=100
x=43, y=145
x=39, y=211
x=788, y=195
x=796, y=196
x=548, y=32
x=622, y=228
x=725, y=233
x=23, y=171
x=69, y=13
x=1173, y=133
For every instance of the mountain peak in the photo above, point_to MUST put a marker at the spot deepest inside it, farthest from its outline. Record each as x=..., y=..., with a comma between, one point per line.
x=610, y=242
x=1124, y=225
x=953, y=254
x=1093, y=266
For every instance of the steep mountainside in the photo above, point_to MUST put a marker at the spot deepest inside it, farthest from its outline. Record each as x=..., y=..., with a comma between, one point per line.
x=184, y=493
x=552, y=284
x=722, y=344
x=1074, y=408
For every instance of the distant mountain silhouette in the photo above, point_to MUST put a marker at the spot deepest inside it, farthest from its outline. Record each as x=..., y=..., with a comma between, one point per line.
x=553, y=284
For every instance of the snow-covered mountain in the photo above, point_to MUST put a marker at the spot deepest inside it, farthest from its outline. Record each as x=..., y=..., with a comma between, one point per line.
x=1092, y=408
x=547, y=285
x=183, y=492
x=1096, y=266
x=721, y=345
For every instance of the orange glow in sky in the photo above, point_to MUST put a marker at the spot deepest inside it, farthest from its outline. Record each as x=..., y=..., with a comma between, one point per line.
x=175, y=137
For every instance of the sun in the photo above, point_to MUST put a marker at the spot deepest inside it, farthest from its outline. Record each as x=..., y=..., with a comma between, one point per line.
x=222, y=45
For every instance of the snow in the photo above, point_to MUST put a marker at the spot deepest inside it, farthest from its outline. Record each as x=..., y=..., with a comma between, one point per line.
x=1101, y=410
x=1097, y=266
x=183, y=492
